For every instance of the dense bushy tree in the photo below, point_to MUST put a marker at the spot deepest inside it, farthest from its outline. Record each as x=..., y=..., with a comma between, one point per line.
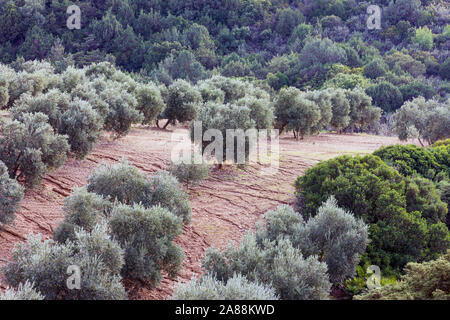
x=122, y=110
x=277, y=263
x=334, y=235
x=410, y=160
x=53, y=104
x=182, y=102
x=223, y=117
x=11, y=193
x=425, y=120
x=29, y=147
x=82, y=124
x=122, y=182
x=166, y=192
x=46, y=264
x=377, y=193
x=149, y=102
x=236, y=288
x=146, y=235
x=340, y=109
x=385, y=96
x=362, y=114
x=190, y=173
x=422, y=281
x=82, y=209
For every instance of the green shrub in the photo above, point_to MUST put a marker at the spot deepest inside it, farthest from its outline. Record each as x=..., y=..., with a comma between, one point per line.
x=277, y=263
x=122, y=182
x=444, y=71
x=385, y=96
x=410, y=160
x=149, y=102
x=11, y=194
x=236, y=288
x=182, y=102
x=53, y=104
x=422, y=281
x=82, y=124
x=166, y=192
x=375, y=69
x=147, y=235
x=333, y=235
x=425, y=120
x=24, y=291
x=29, y=147
x=377, y=193
x=82, y=210
x=122, y=111
x=46, y=263
x=190, y=173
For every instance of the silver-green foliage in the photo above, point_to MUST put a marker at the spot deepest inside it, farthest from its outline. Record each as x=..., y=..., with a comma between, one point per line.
x=425, y=120
x=29, y=147
x=147, y=235
x=166, y=192
x=272, y=262
x=334, y=235
x=122, y=182
x=11, y=193
x=46, y=263
x=190, y=173
x=82, y=210
x=24, y=291
x=82, y=124
x=236, y=288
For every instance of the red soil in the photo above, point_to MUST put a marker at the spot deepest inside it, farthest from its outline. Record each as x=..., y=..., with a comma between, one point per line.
x=228, y=204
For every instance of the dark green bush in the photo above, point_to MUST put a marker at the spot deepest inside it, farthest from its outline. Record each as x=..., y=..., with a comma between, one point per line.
x=377, y=193
x=410, y=160
x=190, y=173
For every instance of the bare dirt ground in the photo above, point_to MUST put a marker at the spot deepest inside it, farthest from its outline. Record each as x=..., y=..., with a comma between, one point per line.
x=224, y=207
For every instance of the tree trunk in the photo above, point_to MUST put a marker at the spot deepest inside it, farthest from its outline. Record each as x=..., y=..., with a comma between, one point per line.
x=157, y=123
x=167, y=124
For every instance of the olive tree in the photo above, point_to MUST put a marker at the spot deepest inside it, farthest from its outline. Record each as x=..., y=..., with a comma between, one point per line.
x=190, y=173
x=147, y=235
x=11, y=193
x=46, y=263
x=275, y=263
x=182, y=102
x=425, y=120
x=149, y=102
x=82, y=124
x=29, y=147
x=121, y=182
x=334, y=235
x=53, y=104
x=236, y=288
x=362, y=114
x=122, y=111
